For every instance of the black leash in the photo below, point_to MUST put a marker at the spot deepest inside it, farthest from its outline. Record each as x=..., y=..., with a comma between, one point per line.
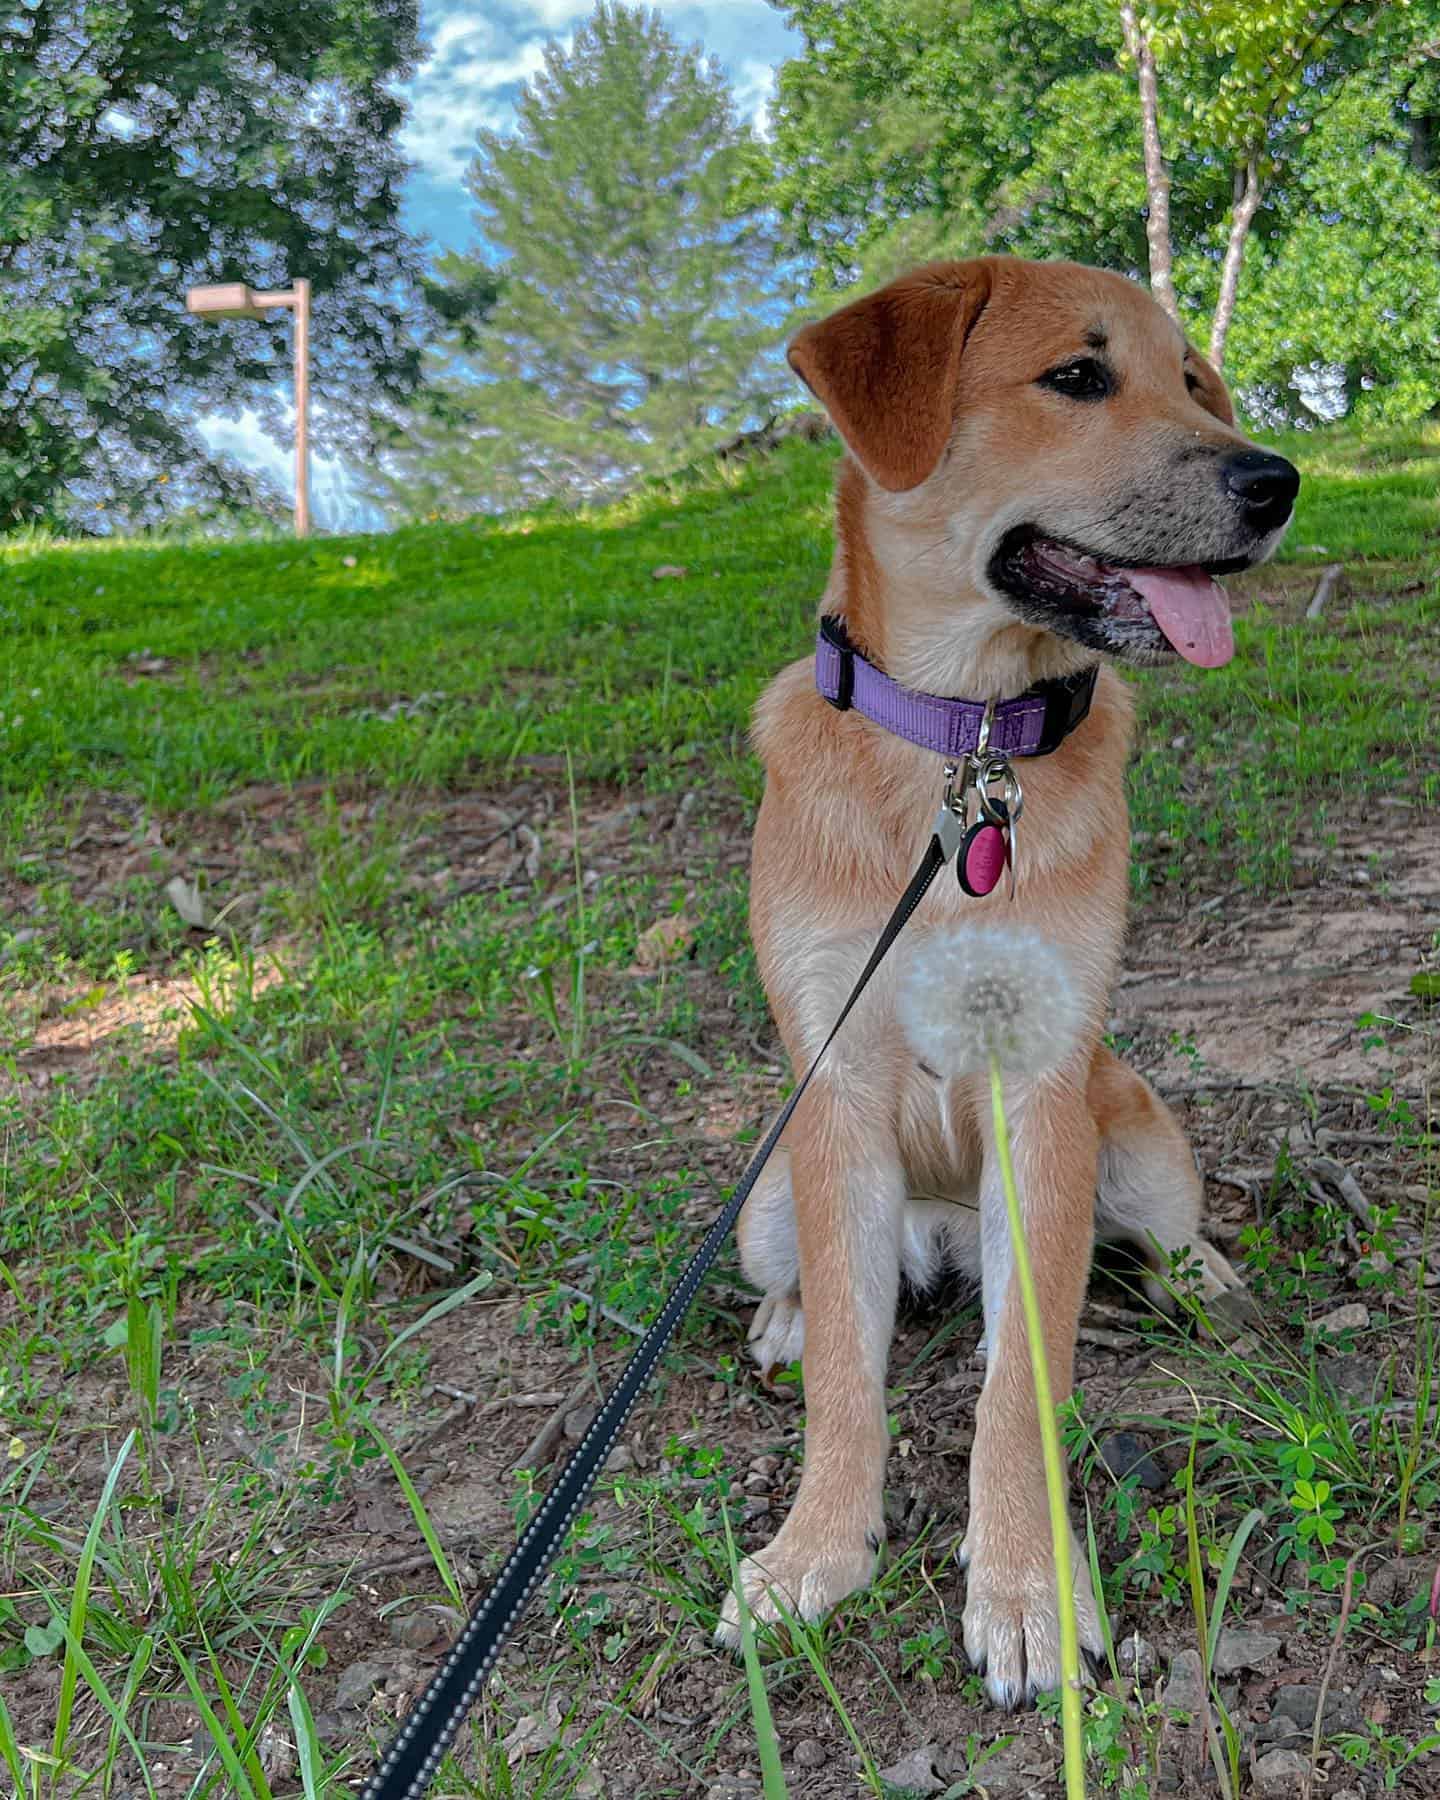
x=409, y=1764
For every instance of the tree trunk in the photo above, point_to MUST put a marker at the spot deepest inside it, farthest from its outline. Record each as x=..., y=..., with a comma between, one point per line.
x=1247, y=203
x=1157, y=176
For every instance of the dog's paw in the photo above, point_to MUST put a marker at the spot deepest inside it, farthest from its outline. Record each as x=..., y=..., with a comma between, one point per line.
x=799, y=1578
x=1213, y=1276
x=1012, y=1619
x=777, y=1332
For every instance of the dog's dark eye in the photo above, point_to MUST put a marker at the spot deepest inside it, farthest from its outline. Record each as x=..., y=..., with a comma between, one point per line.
x=1083, y=379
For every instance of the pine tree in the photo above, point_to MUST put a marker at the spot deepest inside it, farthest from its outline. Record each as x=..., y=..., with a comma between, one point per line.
x=638, y=304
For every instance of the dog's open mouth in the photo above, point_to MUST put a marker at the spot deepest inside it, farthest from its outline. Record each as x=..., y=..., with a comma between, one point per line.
x=1133, y=612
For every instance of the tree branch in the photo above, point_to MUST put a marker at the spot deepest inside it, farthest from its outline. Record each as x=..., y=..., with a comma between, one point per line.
x=1247, y=204
x=1157, y=176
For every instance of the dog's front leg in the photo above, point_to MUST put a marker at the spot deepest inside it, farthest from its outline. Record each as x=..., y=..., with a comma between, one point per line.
x=849, y=1197
x=1012, y=1621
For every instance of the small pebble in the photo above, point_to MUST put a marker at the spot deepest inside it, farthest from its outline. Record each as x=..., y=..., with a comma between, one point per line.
x=431, y=1628
x=1125, y=1454
x=810, y=1754
x=1236, y=1650
x=577, y=1422
x=1136, y=1656
x=1354, y=1317
x=1281, y=1772
x=357, y=1684
x=1185, y=1690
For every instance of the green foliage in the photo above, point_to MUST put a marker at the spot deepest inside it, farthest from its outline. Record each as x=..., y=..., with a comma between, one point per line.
x=960, y=126
x=149, y=146
x=430, y=656
x=636, y=298
x=1348, y=285
x=903, y=129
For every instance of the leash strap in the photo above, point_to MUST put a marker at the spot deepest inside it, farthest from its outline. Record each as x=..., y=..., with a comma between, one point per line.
x=413, y=1757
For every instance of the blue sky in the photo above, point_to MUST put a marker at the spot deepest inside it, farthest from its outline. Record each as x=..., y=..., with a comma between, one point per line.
x=479, y=57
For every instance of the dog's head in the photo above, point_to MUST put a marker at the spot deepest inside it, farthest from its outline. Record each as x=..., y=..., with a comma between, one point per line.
x=1079, y=457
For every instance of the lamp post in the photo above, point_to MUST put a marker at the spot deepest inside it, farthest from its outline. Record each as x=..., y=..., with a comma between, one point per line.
x=234, y=300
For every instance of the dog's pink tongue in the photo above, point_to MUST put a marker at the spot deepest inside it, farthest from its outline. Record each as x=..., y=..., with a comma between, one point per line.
x=1192, y=609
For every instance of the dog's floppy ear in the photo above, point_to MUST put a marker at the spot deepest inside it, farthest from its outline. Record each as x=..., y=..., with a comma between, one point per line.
x=1209, y=390
x=886, y=368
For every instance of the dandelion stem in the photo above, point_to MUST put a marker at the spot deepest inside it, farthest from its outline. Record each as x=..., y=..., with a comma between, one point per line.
x=1070, y=1712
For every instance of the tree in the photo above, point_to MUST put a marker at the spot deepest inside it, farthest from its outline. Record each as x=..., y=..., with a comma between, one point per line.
x=1255, y=79
x=1349, y=293
x=915, y=128
x=155, y=143
x=636, y=301
x=955, y=126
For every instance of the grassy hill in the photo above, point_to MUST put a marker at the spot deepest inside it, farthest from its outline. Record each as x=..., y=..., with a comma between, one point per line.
x=379, y=1030
x=449, y=654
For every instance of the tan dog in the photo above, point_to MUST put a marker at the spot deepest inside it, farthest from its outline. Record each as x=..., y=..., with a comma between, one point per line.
x=1019, y=436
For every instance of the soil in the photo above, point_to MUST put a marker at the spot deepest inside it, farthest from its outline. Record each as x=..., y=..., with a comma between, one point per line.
x=1244, y=1009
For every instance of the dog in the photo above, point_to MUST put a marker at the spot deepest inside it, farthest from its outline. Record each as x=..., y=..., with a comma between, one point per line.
x=1021, y=439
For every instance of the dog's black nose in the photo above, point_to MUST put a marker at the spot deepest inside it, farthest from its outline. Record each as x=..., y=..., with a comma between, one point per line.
x=1264, y=484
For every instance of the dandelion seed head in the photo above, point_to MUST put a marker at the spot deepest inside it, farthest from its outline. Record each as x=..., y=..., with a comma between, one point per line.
x=990, y=990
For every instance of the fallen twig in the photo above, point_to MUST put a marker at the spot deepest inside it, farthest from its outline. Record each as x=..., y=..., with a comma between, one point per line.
x=605, y=1312
x=1347, y=1600
x=1324, y=588
x=542, y=1446
x=1102, y=1339
x=401, y=1565
x=1346, y=1186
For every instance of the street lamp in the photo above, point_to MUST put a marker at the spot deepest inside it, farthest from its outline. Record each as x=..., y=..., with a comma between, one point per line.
x=233, y=300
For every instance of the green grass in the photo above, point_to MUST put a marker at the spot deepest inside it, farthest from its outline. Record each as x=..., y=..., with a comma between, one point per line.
x=414, y=1112
x=449, y=653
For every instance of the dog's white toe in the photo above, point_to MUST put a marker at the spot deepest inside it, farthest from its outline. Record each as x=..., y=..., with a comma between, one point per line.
x=796, y=1579
x=1012, y=1623
x=777, y=1332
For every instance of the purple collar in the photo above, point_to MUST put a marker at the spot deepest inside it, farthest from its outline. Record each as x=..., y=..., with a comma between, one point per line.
x=1033, y=724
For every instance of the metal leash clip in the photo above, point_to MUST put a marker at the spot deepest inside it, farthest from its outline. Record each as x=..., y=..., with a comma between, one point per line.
x=986, y=848
x=950, y=820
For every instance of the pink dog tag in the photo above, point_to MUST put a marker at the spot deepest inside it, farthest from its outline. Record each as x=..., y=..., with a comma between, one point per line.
x=982, y=859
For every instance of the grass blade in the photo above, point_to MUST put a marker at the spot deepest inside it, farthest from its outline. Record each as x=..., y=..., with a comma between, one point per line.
x=10, y=1749
x=1098, y=1588
x=307, y=1742
x=116, y=1709
x=139, y=1663
x=437, y=1311
x=1227, y=1576
x=219, y=1737
x=1072, y=1721
x=422, y=1520
x=766, y=1741
x=80, y=1599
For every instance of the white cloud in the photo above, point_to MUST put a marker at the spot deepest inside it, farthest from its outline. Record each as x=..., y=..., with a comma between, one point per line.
x=456, y=30
x=478, y=63
x=754, y=85
x=119, y=123
x=335, y=503
x=467, y=82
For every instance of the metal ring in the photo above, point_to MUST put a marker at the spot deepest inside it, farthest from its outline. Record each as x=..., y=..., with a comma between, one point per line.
x=1014, y=795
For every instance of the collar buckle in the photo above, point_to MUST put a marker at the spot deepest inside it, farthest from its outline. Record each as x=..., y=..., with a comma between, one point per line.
x=833, y=635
